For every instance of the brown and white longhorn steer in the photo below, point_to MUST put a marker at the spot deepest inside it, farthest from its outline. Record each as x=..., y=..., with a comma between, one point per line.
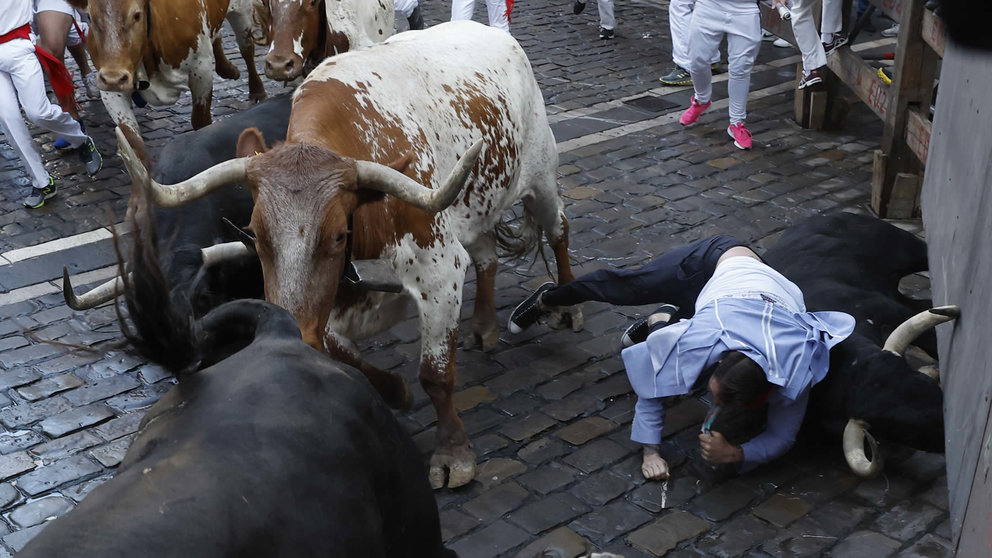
x=163, y=48
x=420, y=99
x=301, y=33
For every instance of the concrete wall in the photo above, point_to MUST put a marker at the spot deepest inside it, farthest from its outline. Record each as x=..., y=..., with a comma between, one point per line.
x=957, y=214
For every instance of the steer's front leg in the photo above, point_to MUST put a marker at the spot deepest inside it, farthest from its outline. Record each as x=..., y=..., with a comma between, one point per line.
x=201, y=86
x=453, y=462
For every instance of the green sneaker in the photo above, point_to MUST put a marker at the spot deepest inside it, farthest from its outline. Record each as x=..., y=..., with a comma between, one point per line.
x=38, y=196
x=678, y=76
x=90, y=157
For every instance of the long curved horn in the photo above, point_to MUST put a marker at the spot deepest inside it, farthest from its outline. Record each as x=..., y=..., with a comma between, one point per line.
x=93, y=298
x=212, y=255
x=221, y=174
x=380, y=177
x=855, y=434
x=908, y=331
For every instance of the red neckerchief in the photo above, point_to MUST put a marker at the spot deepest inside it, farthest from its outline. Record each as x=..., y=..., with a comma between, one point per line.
x=509, y=8
x=59, y=76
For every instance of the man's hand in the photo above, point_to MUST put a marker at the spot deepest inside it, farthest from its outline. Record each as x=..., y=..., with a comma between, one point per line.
x=777, y=3
x=654, y=467
x=717, y=450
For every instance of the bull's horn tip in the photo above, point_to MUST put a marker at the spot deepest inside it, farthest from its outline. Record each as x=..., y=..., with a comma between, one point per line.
x=67, y=293
x=951, y=311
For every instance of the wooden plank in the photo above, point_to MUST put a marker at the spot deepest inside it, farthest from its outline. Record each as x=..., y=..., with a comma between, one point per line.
x=891, y=8
x=918, y=134
x=934, y=33
x=770, y=21
x=861, y=78
x=817, y=109
x=877, y=178
x=904, y=197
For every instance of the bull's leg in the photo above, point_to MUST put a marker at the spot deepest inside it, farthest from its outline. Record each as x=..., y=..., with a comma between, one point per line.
x=241, y=23
x=547, y=208
x=392, y=387
x=201, y=87
x=453, y=462
x=222, y=65
x=485, y=324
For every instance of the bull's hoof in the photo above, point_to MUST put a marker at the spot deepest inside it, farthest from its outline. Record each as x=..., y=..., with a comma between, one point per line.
x=485, y=339
x=228, y=71
x=569, y=317
x=257, y=96
x=452, y=467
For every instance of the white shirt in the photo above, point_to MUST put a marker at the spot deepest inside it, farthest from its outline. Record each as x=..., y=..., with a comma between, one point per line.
x=15, y=14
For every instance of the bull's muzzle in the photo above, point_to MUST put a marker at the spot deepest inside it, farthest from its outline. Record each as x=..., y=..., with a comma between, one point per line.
x=114, y=80
x=283, y=68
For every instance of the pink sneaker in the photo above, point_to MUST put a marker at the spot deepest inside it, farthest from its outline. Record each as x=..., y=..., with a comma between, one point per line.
x=741, y=135
x=692, y=113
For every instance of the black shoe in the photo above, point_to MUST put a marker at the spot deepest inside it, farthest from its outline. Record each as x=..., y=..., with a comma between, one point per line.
x=838, y=41
x=811, y=78
x=605, y=33
x=639, y=330
x=527, y=312
x=138, y=100
x=90, y=157
x=577, y=7
x=416, y=20
x=38, y=196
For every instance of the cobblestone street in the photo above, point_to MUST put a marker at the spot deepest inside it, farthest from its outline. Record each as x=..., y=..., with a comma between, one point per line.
x=548, y=411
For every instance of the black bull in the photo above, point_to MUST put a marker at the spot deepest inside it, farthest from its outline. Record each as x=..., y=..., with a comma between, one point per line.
x=273, y=450
x=853, y=264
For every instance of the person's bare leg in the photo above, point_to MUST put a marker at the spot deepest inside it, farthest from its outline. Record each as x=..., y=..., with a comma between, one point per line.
x=53, y=29
x=654, y=466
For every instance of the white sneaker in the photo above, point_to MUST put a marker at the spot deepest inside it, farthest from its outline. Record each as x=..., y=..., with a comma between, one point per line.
x=782, y=43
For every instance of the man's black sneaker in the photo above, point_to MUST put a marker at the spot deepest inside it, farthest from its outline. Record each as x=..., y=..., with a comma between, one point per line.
x=527, y=312
x=639, y=330
x=577, y=7
x=90, y=156
x=605, y=33
x=838, y=41
x=810, y=78
x=678, y=76
x=38, y=196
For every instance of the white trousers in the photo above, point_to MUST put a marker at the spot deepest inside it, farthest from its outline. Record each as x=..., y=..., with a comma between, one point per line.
x=740, y=21
x=462, y=9
x=679, y=17
x=606, y=18
x=21, y=79
x=405, y=7
x=804, y=28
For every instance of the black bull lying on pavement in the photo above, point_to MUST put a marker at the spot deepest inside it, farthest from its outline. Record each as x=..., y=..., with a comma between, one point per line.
x=266, y=447
x=853, y=264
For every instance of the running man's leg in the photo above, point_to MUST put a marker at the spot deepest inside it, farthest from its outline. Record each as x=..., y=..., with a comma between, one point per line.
x=743, y=42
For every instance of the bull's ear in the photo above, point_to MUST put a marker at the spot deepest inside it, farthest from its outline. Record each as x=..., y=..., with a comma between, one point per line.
x=79, y=4
x=400, y=165
x=251, y=142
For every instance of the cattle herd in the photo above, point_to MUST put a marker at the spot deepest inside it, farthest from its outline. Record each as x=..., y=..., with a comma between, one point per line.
x=407, y=150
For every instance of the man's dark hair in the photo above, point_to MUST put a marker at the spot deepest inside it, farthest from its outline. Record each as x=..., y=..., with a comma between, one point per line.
x=742, y=382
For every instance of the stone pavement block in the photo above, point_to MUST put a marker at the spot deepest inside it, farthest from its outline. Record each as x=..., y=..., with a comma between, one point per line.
x=8, y=495
x=565, y=384
x=921, y=465
x=42, y=509
x=18, y=440
x=735, y=537
x=18, y=377
x=493, y=472
x=780, y=510
x=601, y=487
x=492, y=540
x=49, y=386
x=75, y=419
x=455, y=523
x=596, y=455
x=865, y=544
x=515, y=380
x=65, y=446
x=12, y=342
x=102, y=389
x=572, y=406
x=25, y=355
x=495, y=502
x=666, y=533
x=56, y=474
x=586, y=429
x=614, y=386
x=111, y=455
x=548, y=478
x=542, y=450
x=79, y=491
x=610, y=521
x=936, y=495
x=544, y=514
x=655, y=496
x=884, y=490
x=471, y=397
x=724, y=500
x=826, y=485
x=564, y=542
x=907, y=520
x=621, y=411
x=18, y=539
x=120, y=426
x=518, y=404
x=682, y=414
x=488, y=443
x=929, y=546
x=14, y=464
x=803, y=538
x=527, y=427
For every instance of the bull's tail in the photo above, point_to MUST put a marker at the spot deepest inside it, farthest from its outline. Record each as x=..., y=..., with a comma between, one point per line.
x=517, y=241
x=154, y=326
